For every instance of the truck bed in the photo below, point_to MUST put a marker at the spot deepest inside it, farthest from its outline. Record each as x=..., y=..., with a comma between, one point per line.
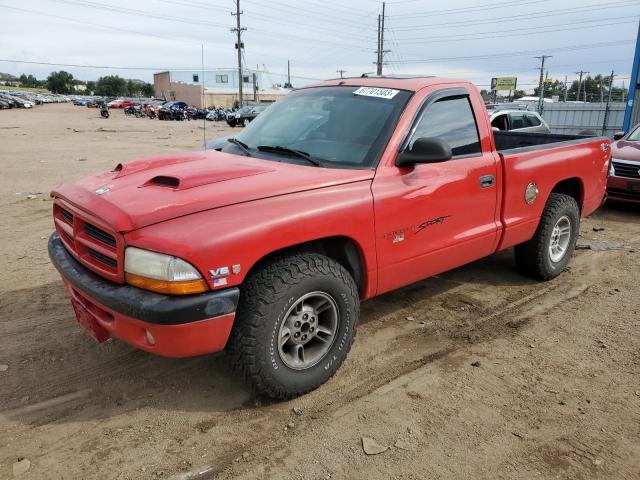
x=512, y=140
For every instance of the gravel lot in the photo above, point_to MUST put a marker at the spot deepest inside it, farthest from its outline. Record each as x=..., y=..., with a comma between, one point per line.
x=477, y=373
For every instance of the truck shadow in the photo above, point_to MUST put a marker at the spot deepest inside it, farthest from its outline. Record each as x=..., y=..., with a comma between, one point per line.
x=57, y=373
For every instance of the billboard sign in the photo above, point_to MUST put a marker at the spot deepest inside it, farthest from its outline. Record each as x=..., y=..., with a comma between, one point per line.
x=504, y=83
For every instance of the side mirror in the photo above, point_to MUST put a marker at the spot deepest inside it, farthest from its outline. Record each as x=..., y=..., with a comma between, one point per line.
x=425, y=150
x=618, y=135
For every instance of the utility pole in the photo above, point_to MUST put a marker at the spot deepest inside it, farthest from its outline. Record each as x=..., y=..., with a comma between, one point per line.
x=255, y=88
x=606, y=109
x=341, y=72
x=239, y=46
x=581, y=72
x=541, y=84
x=565, y=89
x=381, y=51
x=378, y=50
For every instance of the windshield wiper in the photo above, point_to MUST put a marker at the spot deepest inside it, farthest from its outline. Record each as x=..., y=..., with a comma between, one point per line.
x=290, y=151
x=241, y=145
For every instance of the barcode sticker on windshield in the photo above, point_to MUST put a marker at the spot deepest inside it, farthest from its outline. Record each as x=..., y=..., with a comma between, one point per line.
x=387, y=93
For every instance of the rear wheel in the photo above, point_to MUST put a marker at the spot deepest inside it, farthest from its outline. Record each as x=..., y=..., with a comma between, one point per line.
x=547, y=254
x=295, y=324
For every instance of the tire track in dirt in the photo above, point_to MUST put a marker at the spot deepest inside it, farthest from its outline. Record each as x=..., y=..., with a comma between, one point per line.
x=341, y=392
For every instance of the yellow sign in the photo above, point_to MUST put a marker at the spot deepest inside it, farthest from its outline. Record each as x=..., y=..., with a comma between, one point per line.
x=504, y=83
x=548, y=80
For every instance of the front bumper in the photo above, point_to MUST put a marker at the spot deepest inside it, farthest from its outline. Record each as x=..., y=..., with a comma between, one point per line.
x=623, y=189
x=171, y=326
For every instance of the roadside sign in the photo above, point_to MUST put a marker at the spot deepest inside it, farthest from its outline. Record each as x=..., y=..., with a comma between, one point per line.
x=504, y=83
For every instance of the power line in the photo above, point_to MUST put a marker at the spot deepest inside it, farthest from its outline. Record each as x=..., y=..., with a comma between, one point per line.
x=523, y=52
x=141, y=13
x=522, y=17
x=453, y=11
x=519, y=32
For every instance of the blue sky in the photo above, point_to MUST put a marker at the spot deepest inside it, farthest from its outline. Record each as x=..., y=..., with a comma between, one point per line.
x=471, y=39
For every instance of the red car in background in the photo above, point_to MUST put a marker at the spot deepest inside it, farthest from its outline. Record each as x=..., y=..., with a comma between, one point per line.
x=624, y=173
x=120, y=103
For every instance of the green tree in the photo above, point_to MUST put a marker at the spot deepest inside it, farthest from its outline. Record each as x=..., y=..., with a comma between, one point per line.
x=29, y=81
x=551, y=89
x=596, y=89
x=519, y=94
x=91, y=86
x=111, y=86
x=60, y=82
x=147, y=90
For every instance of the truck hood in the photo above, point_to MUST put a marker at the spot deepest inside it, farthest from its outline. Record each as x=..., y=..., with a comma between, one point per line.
x=626, y=150
x=144, y=192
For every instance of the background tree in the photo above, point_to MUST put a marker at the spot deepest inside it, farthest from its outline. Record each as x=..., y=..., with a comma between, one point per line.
x=30, y=81
x=60, y=82
x=111, y=86
x=596, y=88
x=551, y=89
x=147, y=90
x=91, y=87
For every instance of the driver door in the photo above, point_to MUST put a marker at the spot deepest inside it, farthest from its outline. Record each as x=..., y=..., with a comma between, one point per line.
x=432, y=217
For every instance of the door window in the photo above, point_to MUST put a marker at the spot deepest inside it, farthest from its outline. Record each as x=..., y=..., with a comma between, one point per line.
x=532, y=120
x=500, y=122
x=517, y=121
x=451, y=120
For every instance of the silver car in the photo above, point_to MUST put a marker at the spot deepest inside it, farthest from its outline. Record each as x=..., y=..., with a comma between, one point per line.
x=519, y=121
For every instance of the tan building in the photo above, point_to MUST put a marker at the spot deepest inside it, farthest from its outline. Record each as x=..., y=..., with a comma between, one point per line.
x=220, y=88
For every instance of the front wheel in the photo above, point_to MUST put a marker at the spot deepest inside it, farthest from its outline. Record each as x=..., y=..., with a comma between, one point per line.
x=547, y=254
x=295, y=324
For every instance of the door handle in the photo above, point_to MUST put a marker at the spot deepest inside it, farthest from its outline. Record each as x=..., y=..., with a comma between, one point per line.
x=487, y=181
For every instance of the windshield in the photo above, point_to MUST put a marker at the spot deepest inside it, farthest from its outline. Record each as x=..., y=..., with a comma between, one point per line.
x=635, y=135
x=339, y=126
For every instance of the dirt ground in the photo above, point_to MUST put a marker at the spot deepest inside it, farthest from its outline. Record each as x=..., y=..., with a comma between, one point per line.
x=478, y=373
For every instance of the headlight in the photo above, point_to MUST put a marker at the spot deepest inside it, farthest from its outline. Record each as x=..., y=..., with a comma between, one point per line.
x=161, y=273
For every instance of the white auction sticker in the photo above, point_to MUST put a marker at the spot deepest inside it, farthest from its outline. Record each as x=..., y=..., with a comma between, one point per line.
x=387, y=93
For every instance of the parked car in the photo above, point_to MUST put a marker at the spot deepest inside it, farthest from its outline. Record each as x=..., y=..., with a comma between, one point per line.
x=120, y=103
x=518, y=120
x=245, y=115
x=335, y=194
x=5, y=105
x=624, y=175
x=17, y=102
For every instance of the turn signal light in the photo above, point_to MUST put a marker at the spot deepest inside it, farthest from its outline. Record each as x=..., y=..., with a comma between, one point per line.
x=187, y=287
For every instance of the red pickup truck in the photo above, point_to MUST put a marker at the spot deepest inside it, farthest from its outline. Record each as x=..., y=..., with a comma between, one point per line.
x=266, y=245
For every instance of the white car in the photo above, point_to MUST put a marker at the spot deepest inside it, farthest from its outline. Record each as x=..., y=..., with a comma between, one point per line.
x=519, y=121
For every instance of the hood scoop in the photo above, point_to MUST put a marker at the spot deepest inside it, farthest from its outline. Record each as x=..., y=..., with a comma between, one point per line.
x=165, y=181
x=197, y=177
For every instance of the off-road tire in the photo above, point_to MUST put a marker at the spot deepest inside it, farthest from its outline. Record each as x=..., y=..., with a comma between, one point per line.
x=533, y=258
x=266, y=296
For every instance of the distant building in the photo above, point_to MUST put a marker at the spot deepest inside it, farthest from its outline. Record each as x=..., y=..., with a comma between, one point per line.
x=220, y=87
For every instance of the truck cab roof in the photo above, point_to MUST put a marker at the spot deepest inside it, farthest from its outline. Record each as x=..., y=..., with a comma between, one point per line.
x=410, y=83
